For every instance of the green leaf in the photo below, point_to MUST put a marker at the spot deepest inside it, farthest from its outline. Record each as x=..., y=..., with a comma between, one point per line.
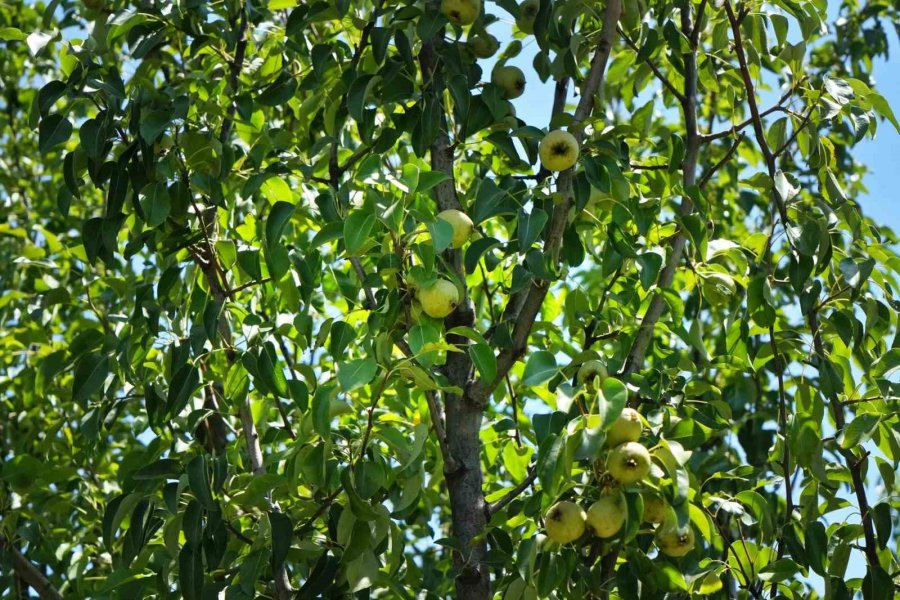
x=859, y=430
x=90, y=373
x=156, y=203
x=282, y=532
x=530, y=227
x=484, y=360
x=540, y=367
x=357, y=229
x=279, y=217
x=54, y=130
x=356, y=373
x=198, y=478
x=321, y=412
x=11, y=34
x=184, y=384
x=816, y=546
x=611, y=399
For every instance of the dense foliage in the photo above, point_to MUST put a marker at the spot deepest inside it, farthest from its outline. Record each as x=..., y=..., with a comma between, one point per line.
x=219, y=372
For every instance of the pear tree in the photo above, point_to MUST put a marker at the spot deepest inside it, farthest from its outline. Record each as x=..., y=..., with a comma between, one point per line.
x=447, y=299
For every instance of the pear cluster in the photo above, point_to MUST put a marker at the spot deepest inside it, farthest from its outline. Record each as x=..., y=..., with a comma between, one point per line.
x=441, y=297
x=627, y=463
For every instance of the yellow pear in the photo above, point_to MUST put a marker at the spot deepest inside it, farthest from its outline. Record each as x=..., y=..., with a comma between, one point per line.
x=558, y=150
x=439, y=299
x=628, y=463
x=564, y=522
x=528, y=11
x=627, y=428
x=509, y=79
x=461, y=12
x=461, y=223
x=606, y=516
x=673, y=540
x=655, y=507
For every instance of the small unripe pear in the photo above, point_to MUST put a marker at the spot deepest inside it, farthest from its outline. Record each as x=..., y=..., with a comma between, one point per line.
x=564, y=522
x=558, y=150
x=528, y=11
x=482, y=45
x=655, y=507
x=439, y=299
x=509, y=79
x=606, y=516
x=627, y=428
x=591, y=369
x=461, y=223
x=673, y=540
x=628, y=463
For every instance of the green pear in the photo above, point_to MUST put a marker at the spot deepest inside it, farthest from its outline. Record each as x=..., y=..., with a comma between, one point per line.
x=528, y=12
x=511, y=80
x=591, y=369
x=564, y=522
x=461, y=12
x=461, y=223
x=627, y=428
x=655, y=507
x=628, y=463
x=606, y=516
x=482, y=45
x=439, y=299
x=673, y=540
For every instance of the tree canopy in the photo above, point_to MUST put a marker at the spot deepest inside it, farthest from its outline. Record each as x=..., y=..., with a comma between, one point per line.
x=295, y=305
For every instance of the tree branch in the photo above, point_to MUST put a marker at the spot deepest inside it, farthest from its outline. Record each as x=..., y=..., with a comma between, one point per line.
x=29, y=573
x=514, y=493
x=777, y=107
x=649, y=62
x=712, y=171
x=236, y=65
x=635, y=358
x=531, y=306
x=853, y=462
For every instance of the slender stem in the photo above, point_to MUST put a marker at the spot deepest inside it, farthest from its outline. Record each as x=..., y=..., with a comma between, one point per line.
x=515, y=492
x=29, y=573
x=649, y=62
x=234, y=72
x=712, y=171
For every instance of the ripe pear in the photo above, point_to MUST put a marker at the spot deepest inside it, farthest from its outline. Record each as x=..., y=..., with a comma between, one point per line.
x=509, y=79
x=439, y=299
x=655, y=507
x=564, y=522
x=482, y=45
x=673, y=540
x=461, y=223
x=528, y=11
x=628, y=463
x=558, y=150
x=627, y=428
x=606, y=516
x=590, y=369
x=461, y=12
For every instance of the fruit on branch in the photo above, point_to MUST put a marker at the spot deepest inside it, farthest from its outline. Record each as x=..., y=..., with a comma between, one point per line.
x=564, y=522
x=439, y=299
x=655, y=507
x=461, y=12
x=482, y=45
x=461, y=223
x=627, y=428
x=606, y=516
x=628, y=463
x=717, y=288
x=673, y=540
x=558, y=150
x=528, y=11
x=511, y=80
x=591, y=369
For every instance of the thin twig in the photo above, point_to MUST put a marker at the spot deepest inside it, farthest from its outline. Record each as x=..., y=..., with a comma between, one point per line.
x=649, y=62
x=712, y=171
x=513, y=493
x=234, y=72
